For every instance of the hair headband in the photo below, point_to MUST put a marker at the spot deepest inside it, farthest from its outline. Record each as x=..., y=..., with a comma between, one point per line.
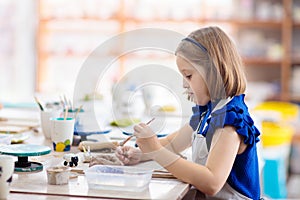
x=196, y=43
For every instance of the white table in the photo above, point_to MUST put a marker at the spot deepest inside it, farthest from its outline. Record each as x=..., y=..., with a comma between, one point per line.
x=34, y=185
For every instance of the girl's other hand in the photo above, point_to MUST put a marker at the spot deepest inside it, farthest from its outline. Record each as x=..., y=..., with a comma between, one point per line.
x=128, y=155
x=146, y=139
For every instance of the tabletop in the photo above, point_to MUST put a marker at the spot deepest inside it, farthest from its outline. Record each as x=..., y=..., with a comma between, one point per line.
x=33, y=185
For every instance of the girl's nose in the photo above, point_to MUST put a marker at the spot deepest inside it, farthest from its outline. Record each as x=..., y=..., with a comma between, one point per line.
x=185, y=83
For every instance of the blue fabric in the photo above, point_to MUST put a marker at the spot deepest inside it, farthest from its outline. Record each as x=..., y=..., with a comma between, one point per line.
x=244, y=176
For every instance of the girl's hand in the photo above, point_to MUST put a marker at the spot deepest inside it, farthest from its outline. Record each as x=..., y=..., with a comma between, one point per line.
x=128, y=155
x=146, y=139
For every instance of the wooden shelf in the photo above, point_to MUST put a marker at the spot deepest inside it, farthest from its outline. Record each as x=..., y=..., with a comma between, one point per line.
x=296, y=24
x=283, y=28
x=296, y=61
x=75, y=19
x=261, y=62
x=234, y=22
x=160, y=20
x=295, y=98
x=248, y=23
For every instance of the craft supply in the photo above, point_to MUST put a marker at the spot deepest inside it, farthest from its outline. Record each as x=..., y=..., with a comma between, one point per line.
x=124, y=122
x=62, y=132
x=85, y=157
x=58, y=175
x=78, y=171
x=97, y=146
x=45, y=117
x=71, y=160
x=118, y=178
x=126, y=140
x=40, y=105
x=66, y=113
x=162, y=174
x=129, y=138
x=65, y=100
x=23, y=151
x=104, y=159
x=78, y=110
x=84, y=150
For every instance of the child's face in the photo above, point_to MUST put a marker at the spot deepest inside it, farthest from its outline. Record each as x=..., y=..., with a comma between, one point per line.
x=193, y=82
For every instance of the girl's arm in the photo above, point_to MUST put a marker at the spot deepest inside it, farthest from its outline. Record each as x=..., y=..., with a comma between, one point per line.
x=211, y=177
x=176, y=142
x=180, y=140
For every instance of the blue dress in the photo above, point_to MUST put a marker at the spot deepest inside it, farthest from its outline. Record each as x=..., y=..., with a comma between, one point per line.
x=244, y=175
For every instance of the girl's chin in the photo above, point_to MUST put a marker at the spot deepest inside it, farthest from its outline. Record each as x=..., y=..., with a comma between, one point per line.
x=201, y=102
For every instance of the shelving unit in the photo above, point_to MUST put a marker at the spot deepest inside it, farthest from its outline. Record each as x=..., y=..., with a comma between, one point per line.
x=274, y=29
x=295, y=51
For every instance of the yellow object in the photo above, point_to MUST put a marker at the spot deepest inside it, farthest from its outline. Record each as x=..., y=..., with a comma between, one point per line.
x=274, y=134
x=60, y=146
x=288, y=111
x=124, y=122
x=168, y=108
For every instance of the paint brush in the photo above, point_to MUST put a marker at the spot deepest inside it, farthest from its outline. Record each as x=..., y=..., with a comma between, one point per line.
x=66, y=113
x=127, y=139
x=78, y=110
x=38, y=102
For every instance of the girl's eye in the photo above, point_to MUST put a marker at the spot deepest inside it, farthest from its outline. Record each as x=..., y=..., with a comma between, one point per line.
x=188, y=77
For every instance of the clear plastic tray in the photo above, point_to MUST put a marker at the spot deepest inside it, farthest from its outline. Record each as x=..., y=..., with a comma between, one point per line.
x=121, y=178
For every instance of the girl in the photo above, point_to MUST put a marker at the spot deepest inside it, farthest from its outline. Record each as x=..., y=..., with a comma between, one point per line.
x=221, y=132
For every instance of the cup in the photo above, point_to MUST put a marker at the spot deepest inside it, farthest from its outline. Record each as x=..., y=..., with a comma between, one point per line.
x=45, y=121
x=62, y=132
x=58, y=175
x=7, y=166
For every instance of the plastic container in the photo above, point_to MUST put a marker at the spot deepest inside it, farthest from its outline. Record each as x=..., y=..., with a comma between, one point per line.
x=274, y=178
x=287, y=111
x=276, y=141
x=274, y=134
x=120, y=178
x=295, y=155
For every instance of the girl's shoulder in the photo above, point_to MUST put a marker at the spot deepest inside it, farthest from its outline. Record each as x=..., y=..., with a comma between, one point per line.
x=235, y=113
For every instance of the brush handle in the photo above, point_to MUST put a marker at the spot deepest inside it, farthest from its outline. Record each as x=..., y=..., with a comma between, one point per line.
x=78, y=110
x=129, y=138
x=66, y=113
x=126, y=140
x=40, y=105
x=151, y=120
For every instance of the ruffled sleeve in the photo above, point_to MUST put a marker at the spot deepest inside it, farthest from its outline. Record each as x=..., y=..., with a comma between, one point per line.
x=236, y=114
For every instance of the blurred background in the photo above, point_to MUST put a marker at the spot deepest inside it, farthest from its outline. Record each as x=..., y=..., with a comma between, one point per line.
x=44, y=43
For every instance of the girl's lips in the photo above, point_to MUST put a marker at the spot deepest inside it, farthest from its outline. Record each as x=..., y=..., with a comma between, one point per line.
x=190, y=96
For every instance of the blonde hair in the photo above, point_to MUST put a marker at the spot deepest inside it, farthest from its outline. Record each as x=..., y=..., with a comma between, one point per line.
x=222, y=63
